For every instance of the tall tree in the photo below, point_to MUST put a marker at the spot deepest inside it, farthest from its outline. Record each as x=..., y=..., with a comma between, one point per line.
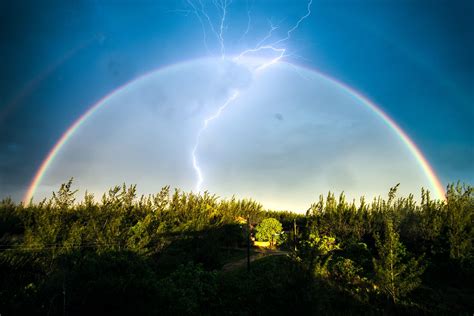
x=394, y=274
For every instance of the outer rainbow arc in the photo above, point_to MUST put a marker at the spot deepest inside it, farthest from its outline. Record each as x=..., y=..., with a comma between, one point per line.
x=70, y=131
x=420, y=158
x=32, y=85
x=425, y=165
x=52, y=154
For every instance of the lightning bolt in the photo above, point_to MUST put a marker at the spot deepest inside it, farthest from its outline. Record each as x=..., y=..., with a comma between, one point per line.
x=203, y=12
x=223, y=4
x=274, y=47
x=196, y=13
x=288, y=34
x=201, y=130
x=249, y=21
x=270, y=33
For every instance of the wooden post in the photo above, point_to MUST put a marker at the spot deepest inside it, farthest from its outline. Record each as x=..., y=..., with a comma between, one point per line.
x=248, y=243
x=294, y=232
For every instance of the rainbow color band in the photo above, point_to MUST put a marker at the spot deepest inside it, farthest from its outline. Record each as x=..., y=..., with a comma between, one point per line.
x=420, y=158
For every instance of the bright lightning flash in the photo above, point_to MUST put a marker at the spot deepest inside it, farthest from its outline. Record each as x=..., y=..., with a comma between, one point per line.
x=198, y=138
x=274, y=47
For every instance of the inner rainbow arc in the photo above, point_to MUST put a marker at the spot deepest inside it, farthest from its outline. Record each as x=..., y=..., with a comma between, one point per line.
x=412, y=147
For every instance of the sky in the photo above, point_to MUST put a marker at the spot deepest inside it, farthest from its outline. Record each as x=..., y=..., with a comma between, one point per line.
x=414, y=59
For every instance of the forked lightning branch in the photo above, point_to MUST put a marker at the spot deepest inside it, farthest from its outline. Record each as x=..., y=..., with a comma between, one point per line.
x=276, y=48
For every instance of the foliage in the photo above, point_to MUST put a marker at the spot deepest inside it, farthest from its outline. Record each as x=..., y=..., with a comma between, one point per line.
x=349, y=276
x=394, y=277
x=460, y=220
x=269, y=230
x=163, y=254
x=188, y=290
x=317, y=252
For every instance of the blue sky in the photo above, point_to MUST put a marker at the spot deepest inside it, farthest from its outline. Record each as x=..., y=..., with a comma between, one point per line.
x=412, y=58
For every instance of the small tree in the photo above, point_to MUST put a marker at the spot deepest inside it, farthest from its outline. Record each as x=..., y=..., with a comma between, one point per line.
x=65, y=197
x=460, y=216
x=394, y=275
x=269, y=230
x=317, y=252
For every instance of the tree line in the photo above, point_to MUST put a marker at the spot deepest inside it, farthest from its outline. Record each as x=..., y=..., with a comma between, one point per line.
x=163, y=254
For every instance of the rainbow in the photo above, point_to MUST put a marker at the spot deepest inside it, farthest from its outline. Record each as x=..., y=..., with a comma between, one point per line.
x=32, y=85
x=410, y=144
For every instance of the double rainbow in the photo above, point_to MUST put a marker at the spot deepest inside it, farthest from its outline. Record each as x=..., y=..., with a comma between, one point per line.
x=413, y=148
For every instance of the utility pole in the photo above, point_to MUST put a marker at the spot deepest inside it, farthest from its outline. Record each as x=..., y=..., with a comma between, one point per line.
x=248, y=243
x=294, y=232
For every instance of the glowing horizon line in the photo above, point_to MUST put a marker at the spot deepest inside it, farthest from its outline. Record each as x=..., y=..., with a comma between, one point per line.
x=413, y=148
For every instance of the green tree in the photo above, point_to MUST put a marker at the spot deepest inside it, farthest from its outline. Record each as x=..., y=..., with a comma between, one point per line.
x=316, y=252
x=460, y=219
x=65, y=197
x=349, y=276
x=394, y=275
x=269, y=230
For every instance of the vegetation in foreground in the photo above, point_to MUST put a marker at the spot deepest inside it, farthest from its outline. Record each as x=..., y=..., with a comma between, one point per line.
x=164, y=253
